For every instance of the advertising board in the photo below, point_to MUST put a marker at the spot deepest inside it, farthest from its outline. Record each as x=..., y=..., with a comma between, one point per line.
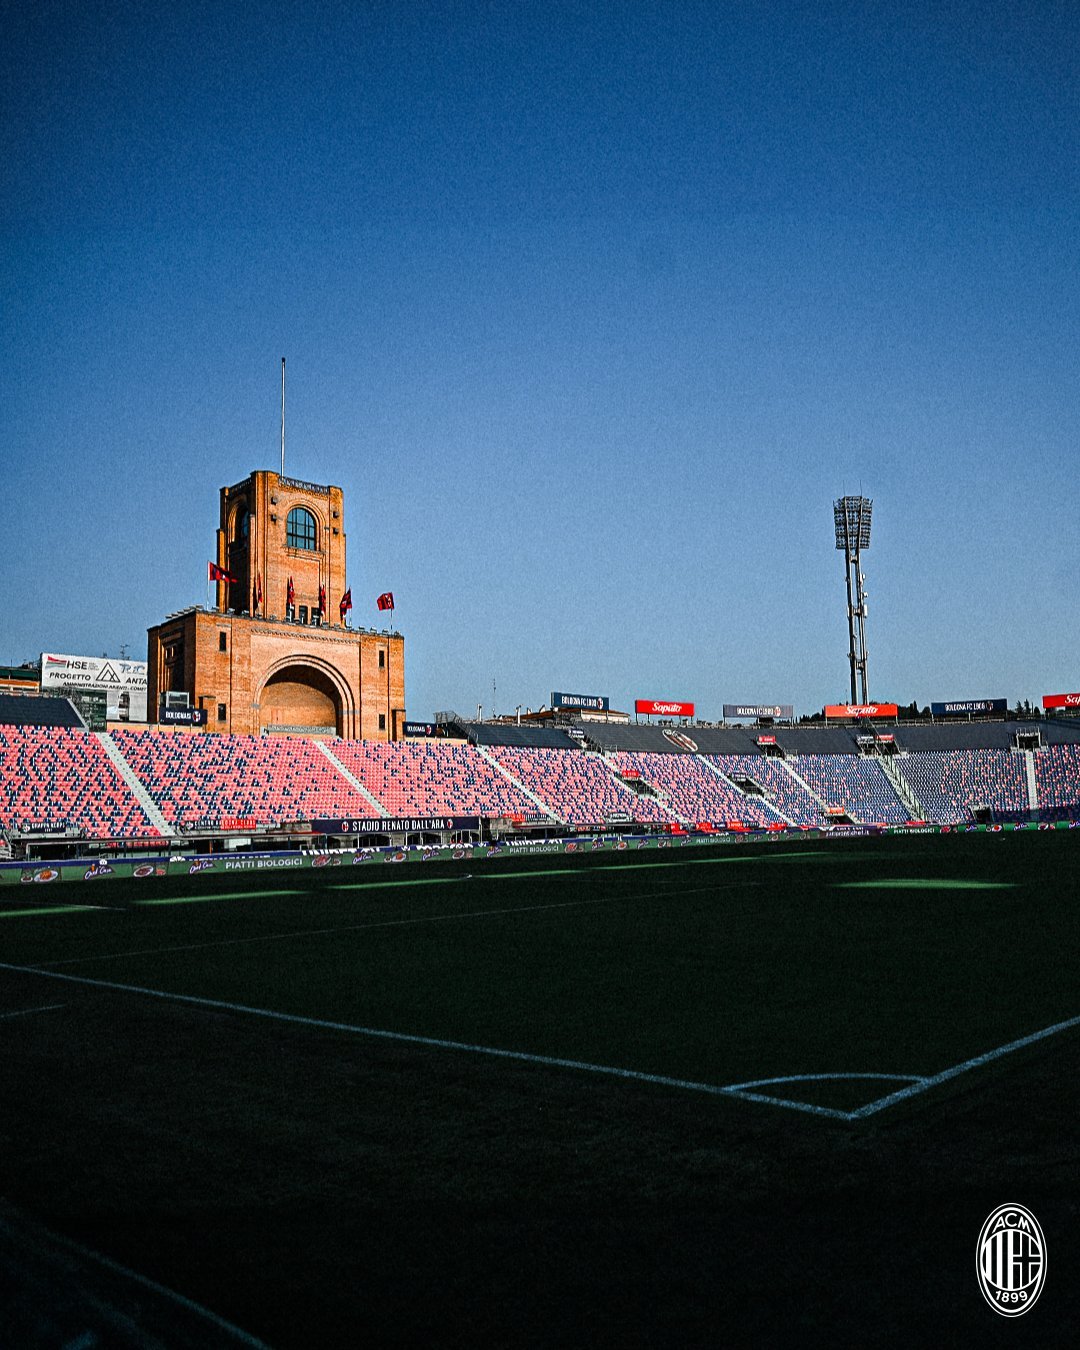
x=861, y=710
x=421, y=729
x=1061, y=701
x=786, y=711
x=590, y=702
x=122, y=682
x=968, y=706
x=182, y=717
x=663, y=707
x=393, y=824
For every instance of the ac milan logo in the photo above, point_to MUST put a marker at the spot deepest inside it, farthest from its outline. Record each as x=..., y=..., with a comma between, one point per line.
x=1011, y=1260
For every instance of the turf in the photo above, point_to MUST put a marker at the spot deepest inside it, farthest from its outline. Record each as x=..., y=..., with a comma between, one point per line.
x=347, y=1185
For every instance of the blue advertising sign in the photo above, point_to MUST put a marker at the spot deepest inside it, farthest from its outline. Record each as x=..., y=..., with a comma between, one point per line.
x=185, y=717
x=421, y=729
x=785, y=711
x=392, y=824
x=970, y=705
x=592, y=702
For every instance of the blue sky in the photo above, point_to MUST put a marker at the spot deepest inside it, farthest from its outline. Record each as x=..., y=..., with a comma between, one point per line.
x=591, y=309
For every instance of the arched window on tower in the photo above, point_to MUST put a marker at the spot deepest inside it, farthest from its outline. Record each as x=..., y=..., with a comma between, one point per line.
x=300, y=529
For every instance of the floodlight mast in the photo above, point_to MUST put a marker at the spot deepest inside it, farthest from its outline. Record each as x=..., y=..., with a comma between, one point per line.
x=851, y=516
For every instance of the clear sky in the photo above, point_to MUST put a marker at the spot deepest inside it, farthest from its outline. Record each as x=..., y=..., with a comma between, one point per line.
x=592, y=309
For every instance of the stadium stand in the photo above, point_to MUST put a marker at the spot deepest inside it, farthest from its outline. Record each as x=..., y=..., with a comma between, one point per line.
x=63, y=778
x=1057, y=780
x=693, y=791
x=196, y=779
x=650, y=739
x=538, y=738
x=426, y=778
x=950, y=783
x=783, y=790
x=578, y=787
x=16, y=710
x=1061, y=731
x=961, y=735
x=854, y=782
x=821, y=740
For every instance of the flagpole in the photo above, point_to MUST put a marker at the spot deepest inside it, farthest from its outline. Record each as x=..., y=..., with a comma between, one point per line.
x=283, y=417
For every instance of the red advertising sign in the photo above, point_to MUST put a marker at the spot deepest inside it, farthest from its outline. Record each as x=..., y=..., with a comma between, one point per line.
x=1061, y=700
x=766, y=740
x=861, y=710
x=663, y=707
x=239, y=823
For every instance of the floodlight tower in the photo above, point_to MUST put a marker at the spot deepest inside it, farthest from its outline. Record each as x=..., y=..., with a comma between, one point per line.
x=851, y=516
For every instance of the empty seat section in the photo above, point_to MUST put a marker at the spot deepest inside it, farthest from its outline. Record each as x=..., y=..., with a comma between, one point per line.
x=855, y=783
x=578, y=787
x=63, y=778
x=782, y=791
x=692, y=790
x=201, y=779
x=411, y=778
x=1057, y=780
x=949, y=783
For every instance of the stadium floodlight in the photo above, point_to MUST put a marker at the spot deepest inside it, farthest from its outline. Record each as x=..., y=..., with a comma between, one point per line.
x=851, y=517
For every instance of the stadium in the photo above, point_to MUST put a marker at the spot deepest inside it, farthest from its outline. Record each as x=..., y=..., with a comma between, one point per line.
x=465, y=1032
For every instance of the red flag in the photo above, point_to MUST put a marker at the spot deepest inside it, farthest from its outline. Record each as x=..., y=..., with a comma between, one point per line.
x=290, y=595
x=322, y=599
x=346, y=602
x=258, y=589
x=386, y=600
x=216, y=573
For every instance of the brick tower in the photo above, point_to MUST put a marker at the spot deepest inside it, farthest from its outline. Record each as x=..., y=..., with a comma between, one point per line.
x=275, y=655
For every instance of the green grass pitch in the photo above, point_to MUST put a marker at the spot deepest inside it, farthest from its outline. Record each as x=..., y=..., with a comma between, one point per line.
x=414, y=1185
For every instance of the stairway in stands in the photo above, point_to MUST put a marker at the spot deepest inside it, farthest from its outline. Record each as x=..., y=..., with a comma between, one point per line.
x=351, y=778
x=545, y=809
x=127, y=773
x=902, y=788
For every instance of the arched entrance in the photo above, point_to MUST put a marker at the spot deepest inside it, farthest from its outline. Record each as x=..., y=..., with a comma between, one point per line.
x=302, y=697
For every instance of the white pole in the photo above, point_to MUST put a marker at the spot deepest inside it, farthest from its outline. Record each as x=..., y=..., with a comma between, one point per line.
x=283, y=417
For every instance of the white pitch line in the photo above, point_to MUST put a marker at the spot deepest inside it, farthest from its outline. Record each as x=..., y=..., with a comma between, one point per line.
x=872, y=1108
x=377, y=1033
x=380, y=923
x=747, y=1091
x=786, y=1103
x=240, y=1336
x=25, y=1012
x=521, y=1056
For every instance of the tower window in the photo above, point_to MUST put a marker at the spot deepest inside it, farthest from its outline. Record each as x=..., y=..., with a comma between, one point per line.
x=382, y=658
x=300, y=529
x=222, y=642
x=382, y=721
